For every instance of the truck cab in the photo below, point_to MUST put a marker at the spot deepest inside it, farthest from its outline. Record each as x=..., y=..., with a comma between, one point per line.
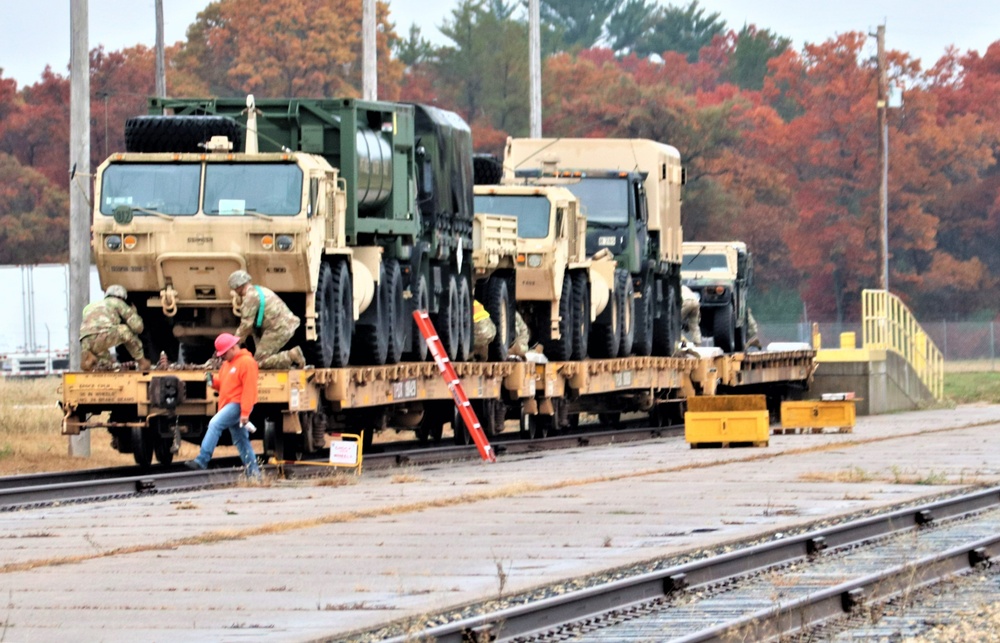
x=721, y=274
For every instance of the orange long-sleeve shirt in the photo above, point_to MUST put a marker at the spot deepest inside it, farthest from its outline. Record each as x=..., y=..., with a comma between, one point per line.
x=237, y=382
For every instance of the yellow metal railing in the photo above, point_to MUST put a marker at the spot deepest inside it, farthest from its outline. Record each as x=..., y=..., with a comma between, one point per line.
x=887, y=324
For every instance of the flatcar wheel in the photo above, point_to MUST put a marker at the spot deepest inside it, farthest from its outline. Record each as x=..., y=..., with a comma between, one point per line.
x=274, y=443
x=542, y=426
x=525, y=426
x=461, y=434
x=142, y=446
x=610, y=420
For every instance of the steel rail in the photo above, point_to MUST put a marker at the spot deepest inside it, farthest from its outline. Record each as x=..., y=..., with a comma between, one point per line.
x=544, y=615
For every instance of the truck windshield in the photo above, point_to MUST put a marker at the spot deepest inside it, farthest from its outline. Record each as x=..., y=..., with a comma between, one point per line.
x=167, y=188
x=603, y=200
x=263, y=188
x=704, y=262
x=532, y=212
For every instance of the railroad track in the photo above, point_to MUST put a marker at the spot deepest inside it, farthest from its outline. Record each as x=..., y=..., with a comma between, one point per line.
x=36, y=490
x=760, y=592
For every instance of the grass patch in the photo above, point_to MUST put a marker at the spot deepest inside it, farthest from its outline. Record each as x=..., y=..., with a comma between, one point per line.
x=972, y=387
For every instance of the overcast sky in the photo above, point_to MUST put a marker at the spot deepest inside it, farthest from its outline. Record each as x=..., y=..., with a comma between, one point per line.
x=35, y=33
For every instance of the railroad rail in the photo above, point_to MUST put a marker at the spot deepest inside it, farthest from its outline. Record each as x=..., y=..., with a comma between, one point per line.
x=648, y=603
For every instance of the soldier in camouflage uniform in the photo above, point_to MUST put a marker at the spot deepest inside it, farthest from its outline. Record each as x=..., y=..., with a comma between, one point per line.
x=520, y=344
x=690, y=315
x=753, y=340
x=276, y=328
x=107, y=324
x=483, y=331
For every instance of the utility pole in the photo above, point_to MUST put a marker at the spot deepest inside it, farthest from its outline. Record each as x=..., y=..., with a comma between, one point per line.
x=161, y=72
x=369, y=71
x=883, y=153
x=79, y=192
x=535, y=68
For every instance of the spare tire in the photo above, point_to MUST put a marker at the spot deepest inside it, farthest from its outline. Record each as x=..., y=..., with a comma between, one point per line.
x=179, y=133
x=486, y=169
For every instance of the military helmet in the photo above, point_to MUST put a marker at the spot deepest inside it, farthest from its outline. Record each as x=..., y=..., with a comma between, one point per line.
x=239, y=278
x=115, y=290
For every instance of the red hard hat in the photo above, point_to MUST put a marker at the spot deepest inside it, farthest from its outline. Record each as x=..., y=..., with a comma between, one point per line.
x=224, y=342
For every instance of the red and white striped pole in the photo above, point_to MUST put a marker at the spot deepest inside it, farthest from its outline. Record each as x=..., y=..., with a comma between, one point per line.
x=454, y=385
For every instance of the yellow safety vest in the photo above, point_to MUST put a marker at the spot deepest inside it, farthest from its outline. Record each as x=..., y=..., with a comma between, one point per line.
x=479, y=313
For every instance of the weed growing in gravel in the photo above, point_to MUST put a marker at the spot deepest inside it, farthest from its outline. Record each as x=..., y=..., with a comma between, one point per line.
x=853, y=474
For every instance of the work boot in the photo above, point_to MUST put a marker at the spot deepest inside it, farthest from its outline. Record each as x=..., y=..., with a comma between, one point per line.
x=297, y=357
x=88, y=362
x=145, y=364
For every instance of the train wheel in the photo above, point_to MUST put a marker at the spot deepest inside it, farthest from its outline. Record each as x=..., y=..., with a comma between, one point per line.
x=142, y=446
x=581, y=315
x=561, y=349
x=541, y=426
x=610, y=420
x=644, y=311
x=394, y=316
x=447, y=322
x=460, y=433
x=274, y=443
x=623, y=281
x=371, y=337
x=498, y=305
x=161, y=444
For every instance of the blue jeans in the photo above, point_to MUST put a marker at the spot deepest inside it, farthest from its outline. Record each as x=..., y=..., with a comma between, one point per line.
x=228, y=417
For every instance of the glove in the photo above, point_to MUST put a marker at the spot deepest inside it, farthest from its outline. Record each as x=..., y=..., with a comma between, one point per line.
x=208, y=378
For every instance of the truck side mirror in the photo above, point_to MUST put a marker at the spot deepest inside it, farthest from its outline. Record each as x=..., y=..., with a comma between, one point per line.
x=425, y=174
x=313, y=196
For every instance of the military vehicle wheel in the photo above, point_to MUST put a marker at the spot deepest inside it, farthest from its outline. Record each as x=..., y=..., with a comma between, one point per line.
x=644, y=313
x=420, y=300
x=178, y=133
x=371, y=336
x=334, y=325
x=666, y=327
x=623, y=284
x=447, y=322
x=741, y=338
x=561, y=349
x=465, y=318
x=606, y=334
x=500, y=308
x=722, y=328
x=581, y=315
x=397, y=323
x=142, y=446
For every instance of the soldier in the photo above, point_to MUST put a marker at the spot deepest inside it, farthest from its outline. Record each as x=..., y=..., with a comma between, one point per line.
x=109, y=323
x=272, y=323
x=753, y=340
x=521, y=337
x=690, y=315
x=483, y=331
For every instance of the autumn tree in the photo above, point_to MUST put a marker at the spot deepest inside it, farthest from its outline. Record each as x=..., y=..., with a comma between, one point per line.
x=34, y=216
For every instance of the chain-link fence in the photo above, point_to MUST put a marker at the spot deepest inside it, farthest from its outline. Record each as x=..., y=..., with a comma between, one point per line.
x=972, y=343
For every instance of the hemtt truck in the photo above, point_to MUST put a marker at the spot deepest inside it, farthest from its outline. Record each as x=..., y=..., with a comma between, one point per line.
x=354, y=212
x=629, y=192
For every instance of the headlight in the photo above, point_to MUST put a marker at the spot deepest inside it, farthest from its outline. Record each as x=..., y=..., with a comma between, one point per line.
x=113, y=242
x=285, y=242
x=534, y=261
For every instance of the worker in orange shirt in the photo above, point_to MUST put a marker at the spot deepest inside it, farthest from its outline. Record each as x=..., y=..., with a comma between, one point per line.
x=237, y=387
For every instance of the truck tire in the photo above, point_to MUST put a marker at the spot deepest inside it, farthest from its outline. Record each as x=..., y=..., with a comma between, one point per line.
x=397, y=323
x=178, y=133
x=501, y=310
x=644, y=313
x=623, y=282
x=486, y=169
x=420, y=300
x=334, y=317
x=465, y=319
x=560, y=350
x=447, y=320
x=667, y=327
x=371, y=333
x=581, y=315
x=605, y=336
x=722, y=328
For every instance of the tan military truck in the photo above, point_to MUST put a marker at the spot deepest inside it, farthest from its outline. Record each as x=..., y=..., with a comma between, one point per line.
x=630, y=194
x=529, y=254
x=721, y=273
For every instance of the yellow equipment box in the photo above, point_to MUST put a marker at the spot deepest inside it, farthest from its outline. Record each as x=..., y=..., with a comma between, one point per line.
x=815, y=415
x=726, y=421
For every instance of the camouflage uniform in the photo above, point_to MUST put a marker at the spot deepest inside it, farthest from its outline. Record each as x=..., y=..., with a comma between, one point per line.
x=752, y=330
x=483, y=331
x=690, y=315
x=277, y=327
x=520, y=344
x=106, y=324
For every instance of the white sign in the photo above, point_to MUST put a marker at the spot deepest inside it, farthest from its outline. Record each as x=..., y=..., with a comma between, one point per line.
x=344, y=453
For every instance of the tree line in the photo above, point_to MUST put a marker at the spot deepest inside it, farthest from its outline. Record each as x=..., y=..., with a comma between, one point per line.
x=779, y=143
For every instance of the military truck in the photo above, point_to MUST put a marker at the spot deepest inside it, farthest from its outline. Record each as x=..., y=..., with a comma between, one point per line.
x=629, y=191
x=354, y=212
x=721, y=273
x=530, y=254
